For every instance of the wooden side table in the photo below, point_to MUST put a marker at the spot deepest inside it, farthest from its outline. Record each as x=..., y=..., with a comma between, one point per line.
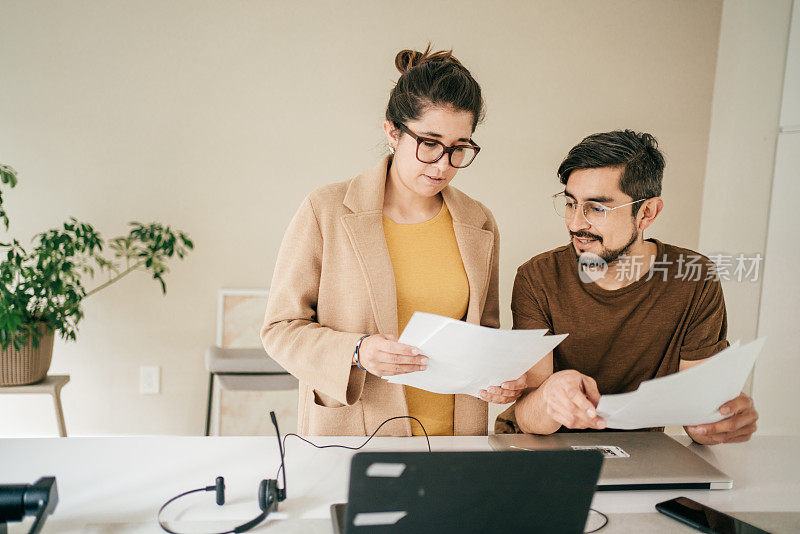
x=51, y=385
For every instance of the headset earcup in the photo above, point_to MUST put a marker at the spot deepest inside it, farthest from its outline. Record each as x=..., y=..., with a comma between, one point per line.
x=268, y=494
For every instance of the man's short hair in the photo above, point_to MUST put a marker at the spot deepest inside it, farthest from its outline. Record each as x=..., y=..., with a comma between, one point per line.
x=635, y=152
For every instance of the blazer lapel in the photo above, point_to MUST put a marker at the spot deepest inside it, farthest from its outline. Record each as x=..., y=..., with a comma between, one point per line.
x=476, y=246
x=366, y=235
x=365, y=229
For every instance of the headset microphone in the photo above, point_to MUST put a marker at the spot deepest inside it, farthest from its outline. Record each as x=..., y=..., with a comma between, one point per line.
x=281, y=492
x=220, y=489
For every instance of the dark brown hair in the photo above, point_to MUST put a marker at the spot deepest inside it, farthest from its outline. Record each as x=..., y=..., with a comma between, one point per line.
x=636, y=153
x=432, y=79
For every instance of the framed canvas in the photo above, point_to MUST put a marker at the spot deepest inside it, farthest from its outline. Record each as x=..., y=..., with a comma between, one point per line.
x=240, y=313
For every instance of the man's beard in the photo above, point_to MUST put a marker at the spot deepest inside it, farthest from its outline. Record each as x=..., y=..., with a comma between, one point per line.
x=608, y=255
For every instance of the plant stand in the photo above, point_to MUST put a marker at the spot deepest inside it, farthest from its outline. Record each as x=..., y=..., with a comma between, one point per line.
x=51, y=385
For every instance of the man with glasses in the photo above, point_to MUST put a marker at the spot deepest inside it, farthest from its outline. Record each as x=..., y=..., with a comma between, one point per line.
x=634, y=308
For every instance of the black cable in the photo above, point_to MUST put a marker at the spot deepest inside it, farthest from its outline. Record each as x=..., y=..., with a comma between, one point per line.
x=347, y=446
x=175, y=498
x=605, y=517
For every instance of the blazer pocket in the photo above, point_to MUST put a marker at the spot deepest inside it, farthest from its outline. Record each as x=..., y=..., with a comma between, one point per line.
x=328, y=417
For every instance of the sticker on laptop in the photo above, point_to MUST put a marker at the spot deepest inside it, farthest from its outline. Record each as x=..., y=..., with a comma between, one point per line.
x=609, y=451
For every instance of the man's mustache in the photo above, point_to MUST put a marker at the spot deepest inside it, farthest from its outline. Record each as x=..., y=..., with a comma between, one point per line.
x=586, y=235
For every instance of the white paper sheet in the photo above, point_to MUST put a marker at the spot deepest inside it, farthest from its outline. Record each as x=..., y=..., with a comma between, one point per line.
x=465, y=358
x=690, y=397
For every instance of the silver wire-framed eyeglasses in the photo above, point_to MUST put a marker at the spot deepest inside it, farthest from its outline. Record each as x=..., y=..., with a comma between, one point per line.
x=593, y=212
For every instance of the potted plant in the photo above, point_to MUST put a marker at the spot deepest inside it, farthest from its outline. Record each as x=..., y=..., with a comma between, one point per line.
x=41, y=291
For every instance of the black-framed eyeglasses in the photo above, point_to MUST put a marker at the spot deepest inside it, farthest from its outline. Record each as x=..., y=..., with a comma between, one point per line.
x=430, y=150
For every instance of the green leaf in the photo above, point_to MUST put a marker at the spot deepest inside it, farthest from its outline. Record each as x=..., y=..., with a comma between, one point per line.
x=8, y=175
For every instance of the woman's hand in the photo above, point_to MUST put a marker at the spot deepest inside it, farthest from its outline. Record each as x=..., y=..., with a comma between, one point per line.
x=382, y=355
x=505, y=392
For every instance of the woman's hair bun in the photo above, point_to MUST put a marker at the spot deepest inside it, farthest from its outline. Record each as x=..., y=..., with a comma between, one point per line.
x=432, y=78
x=408, y=59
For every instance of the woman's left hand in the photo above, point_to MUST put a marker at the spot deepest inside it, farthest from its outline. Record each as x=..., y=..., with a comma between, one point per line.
x=505, y=392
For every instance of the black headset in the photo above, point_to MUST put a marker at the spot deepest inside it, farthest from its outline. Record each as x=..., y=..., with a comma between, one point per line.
x=269, y=494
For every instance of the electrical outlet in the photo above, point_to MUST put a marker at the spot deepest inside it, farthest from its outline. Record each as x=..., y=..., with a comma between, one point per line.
x=149, y=380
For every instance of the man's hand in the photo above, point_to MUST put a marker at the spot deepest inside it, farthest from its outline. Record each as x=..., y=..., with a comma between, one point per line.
x=570, y=399
x=382, y=355
x=505, y=392
x=739, y=426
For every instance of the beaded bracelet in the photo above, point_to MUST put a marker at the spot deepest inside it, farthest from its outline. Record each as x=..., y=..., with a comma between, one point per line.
x=358, y=347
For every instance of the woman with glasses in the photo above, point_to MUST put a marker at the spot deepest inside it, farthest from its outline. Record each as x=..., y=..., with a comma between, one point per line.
x=361, y=256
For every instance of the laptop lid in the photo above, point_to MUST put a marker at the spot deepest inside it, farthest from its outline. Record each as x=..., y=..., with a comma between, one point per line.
x=469, y=491
x=634, y=460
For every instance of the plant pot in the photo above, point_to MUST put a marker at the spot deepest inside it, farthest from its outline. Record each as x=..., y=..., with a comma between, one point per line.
x=28, y=365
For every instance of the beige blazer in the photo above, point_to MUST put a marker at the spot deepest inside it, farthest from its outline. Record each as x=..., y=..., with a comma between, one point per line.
x=334, y=282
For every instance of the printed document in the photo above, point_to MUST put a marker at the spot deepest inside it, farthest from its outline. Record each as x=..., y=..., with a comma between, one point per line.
x=465, y=358
x=690, y=397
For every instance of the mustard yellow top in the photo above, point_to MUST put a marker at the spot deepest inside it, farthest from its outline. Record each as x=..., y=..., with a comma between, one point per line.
x=429, y=277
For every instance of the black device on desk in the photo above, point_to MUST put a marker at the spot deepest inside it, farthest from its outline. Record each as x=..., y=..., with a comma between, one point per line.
x=18, y=500
x=547, y=491
x=704, y=518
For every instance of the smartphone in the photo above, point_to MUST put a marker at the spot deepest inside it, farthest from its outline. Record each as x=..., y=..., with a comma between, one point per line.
x=705, y=519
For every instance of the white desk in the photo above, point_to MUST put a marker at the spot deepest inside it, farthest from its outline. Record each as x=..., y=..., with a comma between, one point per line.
x=117, y=484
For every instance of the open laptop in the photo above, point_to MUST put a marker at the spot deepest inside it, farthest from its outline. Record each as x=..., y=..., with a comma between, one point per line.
x=548, y=491
x=633, y=460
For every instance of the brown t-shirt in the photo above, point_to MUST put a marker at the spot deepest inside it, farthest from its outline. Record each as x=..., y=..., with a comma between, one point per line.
x=626, y=336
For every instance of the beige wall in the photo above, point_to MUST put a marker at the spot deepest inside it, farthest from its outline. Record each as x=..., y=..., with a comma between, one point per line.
x=742, y=201
x=775, y=379
x=218, y=118
x=741, y=150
